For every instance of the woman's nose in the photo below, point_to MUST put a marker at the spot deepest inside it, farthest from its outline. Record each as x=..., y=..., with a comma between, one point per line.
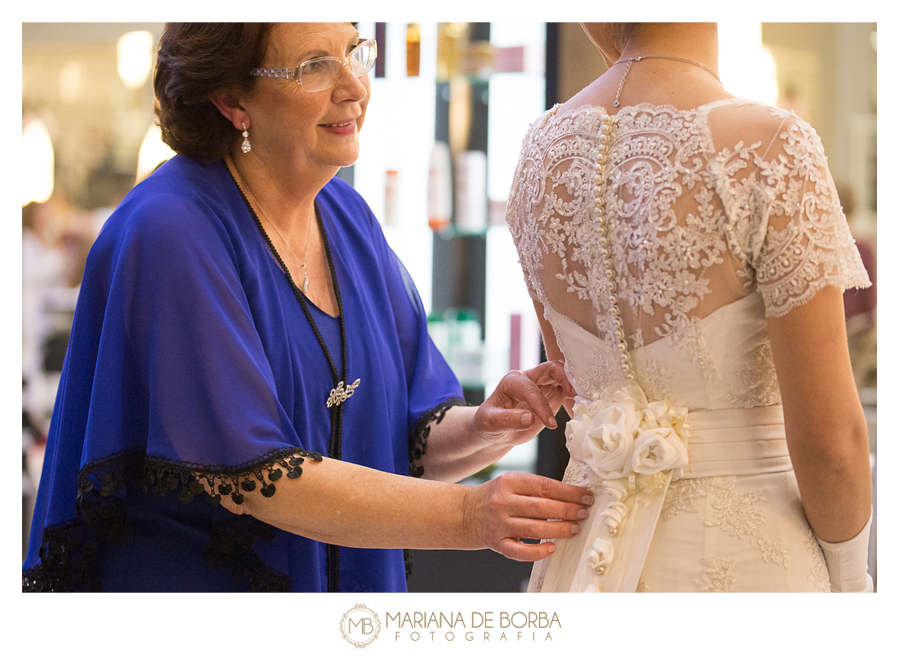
x=350, y=86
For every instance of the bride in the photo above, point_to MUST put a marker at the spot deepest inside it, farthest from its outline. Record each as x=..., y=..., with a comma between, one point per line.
x=686, y=254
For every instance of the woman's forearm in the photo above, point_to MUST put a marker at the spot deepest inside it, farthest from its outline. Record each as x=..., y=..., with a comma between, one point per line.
x=454, y=451
x=834, y=477
x=824, y=422
x=349, y=505
x=342, y=503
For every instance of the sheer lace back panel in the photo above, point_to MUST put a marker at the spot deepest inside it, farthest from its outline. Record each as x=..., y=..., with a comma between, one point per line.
x=719, y=216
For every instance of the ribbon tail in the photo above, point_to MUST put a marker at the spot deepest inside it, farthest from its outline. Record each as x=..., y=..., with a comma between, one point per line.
x=569, y=568
x=635, y=538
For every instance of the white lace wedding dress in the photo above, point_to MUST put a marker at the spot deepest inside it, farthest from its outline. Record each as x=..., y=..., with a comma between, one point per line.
x=717, y=218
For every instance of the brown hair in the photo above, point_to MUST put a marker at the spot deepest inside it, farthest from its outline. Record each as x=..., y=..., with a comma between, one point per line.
x=195, y=60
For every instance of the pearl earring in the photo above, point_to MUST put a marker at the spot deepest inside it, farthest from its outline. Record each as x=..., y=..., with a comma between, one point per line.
x=245, y=147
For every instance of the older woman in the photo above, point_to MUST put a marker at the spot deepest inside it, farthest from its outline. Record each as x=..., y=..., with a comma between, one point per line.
x=249, y=378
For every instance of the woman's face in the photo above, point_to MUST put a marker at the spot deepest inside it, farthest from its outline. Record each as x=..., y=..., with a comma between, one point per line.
x=295, y=128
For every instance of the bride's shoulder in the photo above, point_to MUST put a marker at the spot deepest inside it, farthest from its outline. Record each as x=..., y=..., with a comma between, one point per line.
x=559, y=122
x=749, y=113
x=746, y=121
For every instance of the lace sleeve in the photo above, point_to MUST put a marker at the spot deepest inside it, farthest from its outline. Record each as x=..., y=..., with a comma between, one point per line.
x=418, y=439
x=802, y=242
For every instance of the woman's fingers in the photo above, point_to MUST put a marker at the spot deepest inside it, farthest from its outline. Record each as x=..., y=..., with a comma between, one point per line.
x=521, y=390
x=530, y=507
x=518, y=506
x=523, y=402
x=512, y=546
x=552, y=373
x=528, y=484
x=495, y=421
x=522, y=552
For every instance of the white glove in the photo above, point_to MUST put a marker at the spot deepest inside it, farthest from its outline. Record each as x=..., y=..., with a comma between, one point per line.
x=848, y=562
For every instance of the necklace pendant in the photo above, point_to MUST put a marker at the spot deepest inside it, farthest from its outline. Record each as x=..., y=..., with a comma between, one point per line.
x=339, y=393
x=305, y=284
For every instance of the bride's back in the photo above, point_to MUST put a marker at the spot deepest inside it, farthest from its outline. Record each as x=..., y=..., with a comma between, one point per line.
x=719, y=215
x=667, y=230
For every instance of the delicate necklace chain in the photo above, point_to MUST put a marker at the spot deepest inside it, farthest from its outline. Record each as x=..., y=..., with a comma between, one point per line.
x=632, y=60
x=339, y=394
x=607, y=135
x=284, y=240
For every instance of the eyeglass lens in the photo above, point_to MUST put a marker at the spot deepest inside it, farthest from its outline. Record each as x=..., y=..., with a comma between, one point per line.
x=322, y=73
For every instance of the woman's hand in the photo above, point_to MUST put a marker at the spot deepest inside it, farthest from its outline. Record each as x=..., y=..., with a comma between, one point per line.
x=515, y=506
x=522, y=404
x=470, y=438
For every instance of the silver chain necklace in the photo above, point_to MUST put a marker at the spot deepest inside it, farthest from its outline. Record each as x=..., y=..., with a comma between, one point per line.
x=632, y=60
x=305, y=286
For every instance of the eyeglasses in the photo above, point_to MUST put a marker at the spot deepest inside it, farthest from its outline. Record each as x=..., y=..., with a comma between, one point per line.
x=321, y=73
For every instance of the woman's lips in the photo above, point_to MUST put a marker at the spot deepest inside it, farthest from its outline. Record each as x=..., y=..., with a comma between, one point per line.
x=340, y=128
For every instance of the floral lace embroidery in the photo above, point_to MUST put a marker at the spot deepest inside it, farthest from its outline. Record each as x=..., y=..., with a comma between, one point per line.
x=655, y=379
x=681, y=495
x=757, y=383
x=687, y=211
x=818, y=575
x=688, y=337
x=718, y=575
x=578, y=473
x=536, y=583
x=698, y=220
x=734, y=512
x=650, y=485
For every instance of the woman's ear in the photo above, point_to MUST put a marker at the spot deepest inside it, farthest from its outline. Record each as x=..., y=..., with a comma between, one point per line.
x=227, y=103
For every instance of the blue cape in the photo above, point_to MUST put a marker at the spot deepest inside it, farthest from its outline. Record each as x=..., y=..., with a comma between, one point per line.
x=190, y=356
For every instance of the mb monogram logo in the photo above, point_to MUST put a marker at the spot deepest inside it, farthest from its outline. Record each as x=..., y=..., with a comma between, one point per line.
x=360, y=626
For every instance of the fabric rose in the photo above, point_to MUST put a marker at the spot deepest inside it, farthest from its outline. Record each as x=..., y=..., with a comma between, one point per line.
x=604, y=436
x=600, y=556
x=658, y=449
x=663, y=414
x=615, y=510
x=620, y=433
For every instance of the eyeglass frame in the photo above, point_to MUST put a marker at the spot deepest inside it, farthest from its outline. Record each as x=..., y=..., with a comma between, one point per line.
x=293, y=73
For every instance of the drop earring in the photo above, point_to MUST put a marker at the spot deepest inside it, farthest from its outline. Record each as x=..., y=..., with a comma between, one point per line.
x=245, y=147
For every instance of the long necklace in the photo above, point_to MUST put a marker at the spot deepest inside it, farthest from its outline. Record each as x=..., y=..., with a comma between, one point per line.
x=286, y=243
x=632, y=60
x=339, y=393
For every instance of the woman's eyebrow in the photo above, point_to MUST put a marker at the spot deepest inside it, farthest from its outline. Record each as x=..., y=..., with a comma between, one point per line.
x=313, y=53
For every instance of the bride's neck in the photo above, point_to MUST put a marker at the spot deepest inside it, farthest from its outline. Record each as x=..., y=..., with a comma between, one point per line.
x=695, y=41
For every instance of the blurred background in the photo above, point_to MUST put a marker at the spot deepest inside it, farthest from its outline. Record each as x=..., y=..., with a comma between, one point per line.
x=451, y=103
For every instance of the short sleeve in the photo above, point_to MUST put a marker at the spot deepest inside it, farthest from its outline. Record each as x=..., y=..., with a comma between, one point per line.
x=213, y=398
x=178, y=372
x=802, y=242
